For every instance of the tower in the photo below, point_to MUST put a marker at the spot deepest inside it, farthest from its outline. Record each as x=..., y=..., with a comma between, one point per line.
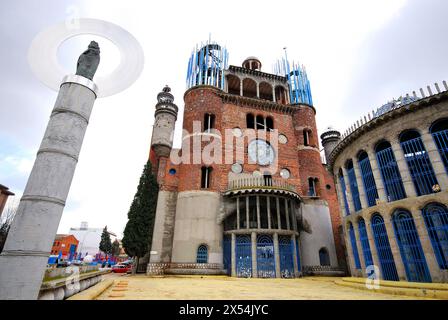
x=164, y=123
x=330, y=140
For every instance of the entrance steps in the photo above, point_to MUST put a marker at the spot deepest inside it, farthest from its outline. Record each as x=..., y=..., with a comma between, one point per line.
x=413, y=289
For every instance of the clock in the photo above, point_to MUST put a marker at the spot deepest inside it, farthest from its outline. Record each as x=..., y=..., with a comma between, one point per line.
x=261, y=152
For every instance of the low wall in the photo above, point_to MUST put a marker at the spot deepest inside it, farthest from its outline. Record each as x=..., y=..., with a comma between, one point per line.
x=63, y=288
x=327, y=271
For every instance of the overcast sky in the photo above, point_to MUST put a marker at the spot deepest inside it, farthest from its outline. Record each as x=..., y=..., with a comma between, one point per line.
x=359, y=54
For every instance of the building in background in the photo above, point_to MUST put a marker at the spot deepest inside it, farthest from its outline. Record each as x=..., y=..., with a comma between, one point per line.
x=89, y=238
x=273, y=211
x=66, y=245
x=391, y=169
x=4, y=194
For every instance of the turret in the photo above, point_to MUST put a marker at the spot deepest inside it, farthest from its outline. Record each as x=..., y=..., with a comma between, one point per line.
x=165, y=120
x=330, y=140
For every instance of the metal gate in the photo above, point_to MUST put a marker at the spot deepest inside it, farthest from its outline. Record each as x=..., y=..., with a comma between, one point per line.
x=265, y=257
x=227, y=254
x=382, y=244
x=286, y=248
x=243, y=256
x=436, y=220
x=410, y=248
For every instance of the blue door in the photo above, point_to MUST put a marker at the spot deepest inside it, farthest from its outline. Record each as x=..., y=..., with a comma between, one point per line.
x=265, y=257
x=286, y=256
x=243, y=256
x=227, y=252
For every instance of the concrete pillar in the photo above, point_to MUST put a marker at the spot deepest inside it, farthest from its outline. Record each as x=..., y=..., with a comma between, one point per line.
x=287, y=214
x=277, y=256
x=237, y=213
x=258, y=90
x=268, y=199
x=360, y=183
x=258, y=213
x=254, y=254
x=351, y=205
x=428, y=250
x=273, y=94
x=26, y=251
x=247, y=213
x=294, y=256
x=376, y=260
x=394, y=247
x=436, y=160
x=377, y=176
x=233, y=253
x=403, y=168
x=241, y=87
x=278, y=213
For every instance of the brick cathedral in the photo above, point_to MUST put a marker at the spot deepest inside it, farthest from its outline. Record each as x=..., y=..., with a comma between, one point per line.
x=247, y=194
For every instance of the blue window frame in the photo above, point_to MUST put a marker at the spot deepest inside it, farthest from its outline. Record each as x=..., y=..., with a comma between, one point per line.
x=353, y=185
x=418, y=163
x=390, y=172
x=368, y=179
x=410, y=247
x=436, y=221
x=366, y=252
x=285, y=246
x=387, y=263
x=439, y=132
x=344, y=192
x=354, y=246
x=202, y=255
x=243, y=256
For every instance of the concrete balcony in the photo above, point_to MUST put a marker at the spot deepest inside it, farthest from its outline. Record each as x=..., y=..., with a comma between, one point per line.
x=260, y=185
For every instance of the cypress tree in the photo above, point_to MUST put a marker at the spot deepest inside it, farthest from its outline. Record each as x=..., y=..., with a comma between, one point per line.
x=105, y=243
x=137, y=235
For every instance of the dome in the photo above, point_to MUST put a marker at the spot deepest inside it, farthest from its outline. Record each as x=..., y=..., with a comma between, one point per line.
x=252, y=63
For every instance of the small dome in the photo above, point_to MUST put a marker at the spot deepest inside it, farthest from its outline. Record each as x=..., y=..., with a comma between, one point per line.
x=252, y=63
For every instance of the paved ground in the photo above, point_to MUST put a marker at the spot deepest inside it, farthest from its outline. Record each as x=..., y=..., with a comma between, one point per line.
x=141, y=287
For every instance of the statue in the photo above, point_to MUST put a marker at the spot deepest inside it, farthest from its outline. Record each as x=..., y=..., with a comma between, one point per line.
x=88, y=61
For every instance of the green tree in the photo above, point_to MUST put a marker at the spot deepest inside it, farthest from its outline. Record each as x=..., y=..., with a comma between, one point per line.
x=115, y=248
x=137, y=235
x=105, y=243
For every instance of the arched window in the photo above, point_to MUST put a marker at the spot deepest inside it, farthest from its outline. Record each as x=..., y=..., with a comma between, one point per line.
x=351, y=231
x=306, y=137
x=265, y=90
x=387, y=263
x=353, y=185
x=269, y=123
x=260, y=123
x=209, y=122
x=366, y=252
x=410, y=247
x=280, y=95
x=202, y=255
x=250, y=121
x=233, y=84
x=312, y=187
x=439, y=131
x=419, y=165
x=436, y=221
x=324, y=257
x=206, y=173
x=368, y=178
x=344, y=192
x=389, y=172
x=249, y=88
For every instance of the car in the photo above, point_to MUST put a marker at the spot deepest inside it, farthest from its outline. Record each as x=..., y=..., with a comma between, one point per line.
x=121, y=268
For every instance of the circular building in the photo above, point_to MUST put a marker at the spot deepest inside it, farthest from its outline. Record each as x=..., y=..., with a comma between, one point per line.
x=391, y=177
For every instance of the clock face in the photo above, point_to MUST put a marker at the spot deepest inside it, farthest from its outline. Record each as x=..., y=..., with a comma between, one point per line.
x=261, y=152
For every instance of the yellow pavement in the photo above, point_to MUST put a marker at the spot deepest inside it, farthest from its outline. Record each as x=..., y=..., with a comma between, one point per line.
x=141, y=287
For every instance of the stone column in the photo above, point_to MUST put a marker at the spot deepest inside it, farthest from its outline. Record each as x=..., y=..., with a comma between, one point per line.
x=377, y=176
x=279, y=221
x=254, y=255
x=360, y=183
x=241, y=87
x=277, y=256
x=237, y=213
x=258, y=90
x=373, y=251
x=287, y=214
x=273, y=94
x=436, y=160
x=247, y=213
x=394, y=247
x=268, y=199
x=258, y=213
x=340, y=197
x=351, y=205
x=233, y=253
x=348, y=245
x=428, y=250
x=294, y=256
x=27, y=248
x=403, y=168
